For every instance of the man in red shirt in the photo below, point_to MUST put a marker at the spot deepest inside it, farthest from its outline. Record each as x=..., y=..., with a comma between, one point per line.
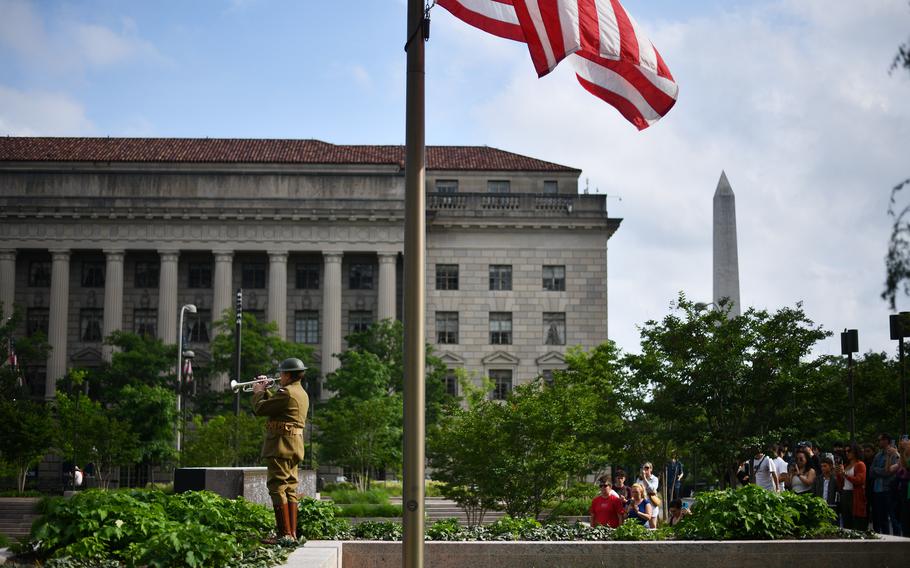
x=607, y=508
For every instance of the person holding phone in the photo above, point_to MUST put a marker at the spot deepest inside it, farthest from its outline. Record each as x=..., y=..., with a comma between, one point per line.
x=639, y=508
x=851, y=479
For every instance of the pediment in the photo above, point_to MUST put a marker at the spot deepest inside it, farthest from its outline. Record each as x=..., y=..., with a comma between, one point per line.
x=450, y=359
x=553, y=358
x=500, y=358
x=87, y=355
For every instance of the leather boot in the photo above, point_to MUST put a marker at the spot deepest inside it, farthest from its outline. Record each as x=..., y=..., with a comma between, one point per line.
x=286, y=518
x=292, y=518
x=281, y=512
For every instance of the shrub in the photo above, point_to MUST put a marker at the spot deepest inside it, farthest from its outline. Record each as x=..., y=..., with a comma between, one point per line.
x=508, y=528
x=341, y=485
x=370, y=510
x=446, y=529
x=750, y=513
x=349, y=496
x=573, y=507
x=139, y=527
x=370, y=530
x=316, y=520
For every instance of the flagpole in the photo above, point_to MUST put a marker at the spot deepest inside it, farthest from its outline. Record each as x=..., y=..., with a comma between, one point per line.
x=414, y=253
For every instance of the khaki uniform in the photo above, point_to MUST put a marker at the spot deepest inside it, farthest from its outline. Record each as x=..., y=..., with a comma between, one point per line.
x=283, y=446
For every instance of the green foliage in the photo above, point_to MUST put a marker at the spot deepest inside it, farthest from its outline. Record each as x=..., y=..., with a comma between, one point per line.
x=445, y=529
x=378, y=530
x=740, y=378
x=632, y=529
x=212, y=443
x=571, y=507
x=27, y=435
x=151, y=412
x=261, y=348
x=348, y=496
x=317, y=520
x=370, y=510
x=152, y=528
x=91, y=433
x=137, y=360
x=520, y=453
x=752, y=513
x=508, y=528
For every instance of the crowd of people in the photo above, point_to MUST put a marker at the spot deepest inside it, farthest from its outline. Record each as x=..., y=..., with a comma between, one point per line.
x=618, y=502
x=867, y=486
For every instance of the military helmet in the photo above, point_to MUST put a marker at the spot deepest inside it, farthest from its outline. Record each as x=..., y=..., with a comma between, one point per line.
x=291, y=365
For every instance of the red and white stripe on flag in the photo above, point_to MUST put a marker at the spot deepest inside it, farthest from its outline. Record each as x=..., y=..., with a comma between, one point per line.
x=188, y=370
x=613, y=59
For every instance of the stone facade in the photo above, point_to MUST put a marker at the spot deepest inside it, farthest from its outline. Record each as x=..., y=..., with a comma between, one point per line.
x=90, y=244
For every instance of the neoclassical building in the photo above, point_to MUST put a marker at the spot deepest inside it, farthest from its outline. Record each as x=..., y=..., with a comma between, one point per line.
x=101, y=234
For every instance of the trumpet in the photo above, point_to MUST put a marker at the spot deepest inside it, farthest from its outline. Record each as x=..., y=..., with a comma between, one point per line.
x=248, y=386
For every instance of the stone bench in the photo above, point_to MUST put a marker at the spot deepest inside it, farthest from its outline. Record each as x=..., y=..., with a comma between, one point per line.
x=233, y=482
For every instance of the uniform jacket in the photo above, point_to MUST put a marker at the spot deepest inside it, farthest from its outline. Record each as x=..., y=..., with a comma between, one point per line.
x=286, y=410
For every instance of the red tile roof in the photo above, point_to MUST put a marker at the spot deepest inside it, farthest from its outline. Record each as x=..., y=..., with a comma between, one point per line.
x=261, y=151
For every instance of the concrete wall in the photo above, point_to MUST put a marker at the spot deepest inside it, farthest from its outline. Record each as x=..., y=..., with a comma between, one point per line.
x=889, y=552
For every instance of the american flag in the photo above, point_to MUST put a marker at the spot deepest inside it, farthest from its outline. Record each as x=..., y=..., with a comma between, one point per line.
x=188, y=370
x=12, y=360
x=613, y=59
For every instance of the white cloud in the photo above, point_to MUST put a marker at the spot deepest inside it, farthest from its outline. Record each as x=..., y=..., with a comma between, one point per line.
x=361, y=77
x=35, y=113
x=71, y=45
x=792, y=98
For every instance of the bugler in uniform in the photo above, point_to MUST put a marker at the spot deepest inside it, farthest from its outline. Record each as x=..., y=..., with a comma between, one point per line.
x=282, y=450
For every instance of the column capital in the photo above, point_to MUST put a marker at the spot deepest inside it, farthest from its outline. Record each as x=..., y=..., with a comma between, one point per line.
x=169, y=255
x=61, y=254
x=7, y=254
x=387, y=257
x=223, y=255
x=114, y=254
x=332, y=257
x=278, y=256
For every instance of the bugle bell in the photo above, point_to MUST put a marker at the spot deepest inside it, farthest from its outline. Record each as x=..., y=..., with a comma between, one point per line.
x=248, y=385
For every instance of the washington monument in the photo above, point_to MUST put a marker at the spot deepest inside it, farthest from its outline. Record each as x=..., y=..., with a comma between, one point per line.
x=726, y=261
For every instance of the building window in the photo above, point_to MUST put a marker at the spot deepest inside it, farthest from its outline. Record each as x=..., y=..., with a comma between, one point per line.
x=39, y=274
x=90, y=324
x=197, y=326
x=501, y=328
x=92, y=274
x=258, y=314
x=306, y=327
x=252, y=275
x=547, y=376
x=145, y=322
x=447, y=277
x=36, y=321
x=146, y=274
x=554, y=278
x=447, y=328
x=307, y=277
x=502, y=383
x=447, y=186
x=550, y=188
x=554, y=328
x=200, y=275
x=498, y=186
x=361, y=277
x=500, y=277
x=359, y=320
x=451, y=382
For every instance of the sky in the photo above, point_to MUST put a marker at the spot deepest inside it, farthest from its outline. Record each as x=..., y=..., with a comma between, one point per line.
x=791, y=98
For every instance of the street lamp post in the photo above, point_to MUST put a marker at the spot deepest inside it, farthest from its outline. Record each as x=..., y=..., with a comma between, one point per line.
x=192, y=309
x=849, y=344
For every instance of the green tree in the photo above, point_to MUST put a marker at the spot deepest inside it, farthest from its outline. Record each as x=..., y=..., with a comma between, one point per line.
x=360, y=427
x=91, y=433
x=261, y=349
x=522, y=451
x=151, y=412
x=211, y=443
x=28, y=432
x=720, y=384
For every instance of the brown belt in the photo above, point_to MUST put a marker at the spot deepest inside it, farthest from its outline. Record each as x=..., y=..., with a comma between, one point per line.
x=283, y=427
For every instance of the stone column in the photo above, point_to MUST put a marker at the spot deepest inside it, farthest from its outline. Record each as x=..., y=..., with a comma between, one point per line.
x=113, y=298
x=387, y=286
x=223, y=296
x=167, y=297
x=331, y=312
x=278, y=291
x=58, y=319
x=7, y=281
